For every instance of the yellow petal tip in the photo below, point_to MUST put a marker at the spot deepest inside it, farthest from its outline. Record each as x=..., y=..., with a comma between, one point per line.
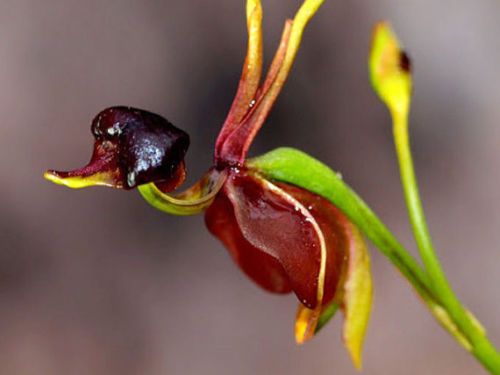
x=52, y=177
x=390, y=69
x=356, y=358
x=305, y=323
x=77, y=182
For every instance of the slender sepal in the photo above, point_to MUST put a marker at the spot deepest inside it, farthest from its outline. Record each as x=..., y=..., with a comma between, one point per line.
x=358, y=295
x=250, y=76
x=234, y=147
x=192, y=201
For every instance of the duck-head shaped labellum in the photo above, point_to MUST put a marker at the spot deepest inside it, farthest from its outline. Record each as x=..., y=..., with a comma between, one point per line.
x=283, y=237
x=132, y=147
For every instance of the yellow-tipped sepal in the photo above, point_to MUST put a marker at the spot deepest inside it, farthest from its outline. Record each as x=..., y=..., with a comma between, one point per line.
x=354, y=297
x=78, y=182
x=190, y=202
x=358, y=297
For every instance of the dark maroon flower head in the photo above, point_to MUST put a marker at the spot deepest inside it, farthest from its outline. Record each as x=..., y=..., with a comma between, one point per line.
x=132, y=147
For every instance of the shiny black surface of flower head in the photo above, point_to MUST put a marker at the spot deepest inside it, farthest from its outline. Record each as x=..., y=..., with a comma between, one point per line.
x=147, y=147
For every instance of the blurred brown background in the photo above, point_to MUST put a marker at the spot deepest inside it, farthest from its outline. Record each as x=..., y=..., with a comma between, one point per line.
x=97, y=282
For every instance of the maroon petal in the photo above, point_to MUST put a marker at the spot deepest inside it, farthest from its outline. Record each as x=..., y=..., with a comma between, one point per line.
x=336, y=231
x=262, y=268
x=301, y=232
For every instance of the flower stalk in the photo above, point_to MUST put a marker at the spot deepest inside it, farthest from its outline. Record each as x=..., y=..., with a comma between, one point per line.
x=390, y=70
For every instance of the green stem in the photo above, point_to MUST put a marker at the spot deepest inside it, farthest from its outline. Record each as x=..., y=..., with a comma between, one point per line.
x=481, y=347
x=297, y=168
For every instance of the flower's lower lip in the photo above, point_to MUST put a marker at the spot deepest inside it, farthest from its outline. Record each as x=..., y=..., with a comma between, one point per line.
x=93, y=174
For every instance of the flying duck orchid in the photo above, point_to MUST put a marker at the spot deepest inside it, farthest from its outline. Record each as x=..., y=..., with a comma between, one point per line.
x=283, y=237
x=289, y=222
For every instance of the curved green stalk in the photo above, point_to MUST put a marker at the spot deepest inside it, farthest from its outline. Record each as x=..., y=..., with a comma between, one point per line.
x=481, y=348
x=192, y=201
x=297, y=168
x=391, y=78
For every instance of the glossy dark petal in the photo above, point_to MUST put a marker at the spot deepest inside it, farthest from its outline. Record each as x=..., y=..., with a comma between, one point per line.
x=132, y=147
x=262, y=268
x=336, y=231
x=249, y=218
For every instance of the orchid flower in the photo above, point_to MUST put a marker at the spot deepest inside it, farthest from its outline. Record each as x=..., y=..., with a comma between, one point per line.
x=288, y=221
x=283, y=237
